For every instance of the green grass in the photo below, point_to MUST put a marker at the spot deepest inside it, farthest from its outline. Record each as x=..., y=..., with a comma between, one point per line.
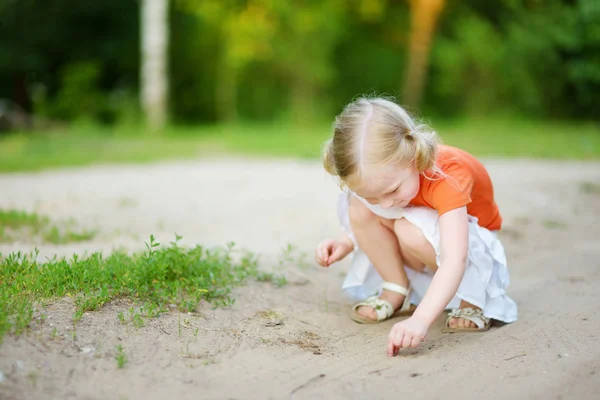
x=121, y=357
x=525, y=139
x=77, y=146
x=18, y=225
x=156, y=278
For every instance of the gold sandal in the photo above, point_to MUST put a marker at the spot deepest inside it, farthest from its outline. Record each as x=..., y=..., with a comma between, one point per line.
x=384, y=309
x=474, y=315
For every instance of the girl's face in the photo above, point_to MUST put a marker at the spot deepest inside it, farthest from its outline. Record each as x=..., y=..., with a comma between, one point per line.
x=389, y=186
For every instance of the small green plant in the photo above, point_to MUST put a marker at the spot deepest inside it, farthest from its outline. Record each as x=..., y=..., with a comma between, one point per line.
x=291, y=257
x=33, y=377
x=590, y=187
x=56, y=236
x=157, y=277
x=150, y=310
x=273, y=318
x=275, y=279
x=121, y=357
x=138, y=321
x=178, y=325
x=12, y=222
x=121, y=317
x=18, y=225
x=553, y=224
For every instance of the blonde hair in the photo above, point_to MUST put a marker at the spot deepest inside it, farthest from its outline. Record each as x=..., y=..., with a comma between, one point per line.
x=376, y=132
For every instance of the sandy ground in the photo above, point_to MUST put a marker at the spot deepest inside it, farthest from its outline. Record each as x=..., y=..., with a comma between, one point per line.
x=297, y=341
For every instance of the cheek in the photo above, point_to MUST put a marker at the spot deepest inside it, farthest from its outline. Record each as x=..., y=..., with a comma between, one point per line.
x=410, y=191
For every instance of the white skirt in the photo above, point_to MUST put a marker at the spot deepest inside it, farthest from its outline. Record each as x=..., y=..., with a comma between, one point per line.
x=486, y=275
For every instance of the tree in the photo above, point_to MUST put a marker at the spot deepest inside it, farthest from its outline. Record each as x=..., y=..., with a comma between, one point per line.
x=243, y=30
x=424, y=16
x=154, y=74
x=304, y=47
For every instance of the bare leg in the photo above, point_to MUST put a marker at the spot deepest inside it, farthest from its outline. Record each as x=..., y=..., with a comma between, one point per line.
x=417, y=250
x=376, y=237
x=413, y=243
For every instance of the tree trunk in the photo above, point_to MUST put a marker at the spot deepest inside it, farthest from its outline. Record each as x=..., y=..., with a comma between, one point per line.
x=154, y=74
x=424, y=15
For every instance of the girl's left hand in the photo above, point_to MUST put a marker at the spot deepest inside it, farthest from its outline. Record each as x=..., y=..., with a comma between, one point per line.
x=408, y=333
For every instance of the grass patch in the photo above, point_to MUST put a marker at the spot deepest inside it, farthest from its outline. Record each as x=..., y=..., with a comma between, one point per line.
x=273, y=318
x=291, y=257
x=121, y=357
x=78, y=146
x=590, y=187
x=553, y=224
x=512, y=138
x=156, y=278
x=17, y=225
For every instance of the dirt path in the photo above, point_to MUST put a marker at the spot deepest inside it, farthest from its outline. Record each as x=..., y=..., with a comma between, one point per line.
x=297, y=341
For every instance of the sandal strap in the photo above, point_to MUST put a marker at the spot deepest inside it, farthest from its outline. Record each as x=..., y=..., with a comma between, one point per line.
x=382, y=308
x=394, y=287
x=472, y=314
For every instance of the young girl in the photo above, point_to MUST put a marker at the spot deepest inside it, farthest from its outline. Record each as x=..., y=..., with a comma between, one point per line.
x=422, y=222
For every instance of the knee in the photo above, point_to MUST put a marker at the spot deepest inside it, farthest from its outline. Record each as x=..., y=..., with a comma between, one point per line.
x=410, y=237
x=359, y=213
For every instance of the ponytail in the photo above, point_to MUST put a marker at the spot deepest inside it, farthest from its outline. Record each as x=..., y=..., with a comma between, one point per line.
x=424, y=141
x=328, y=159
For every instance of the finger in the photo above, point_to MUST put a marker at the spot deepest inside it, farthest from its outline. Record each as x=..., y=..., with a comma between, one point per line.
x=391, y=350
x=321, y=259
x=318, y=256
x=324, y=253
x=337, y=254
x=329, y=252
x=397, y=340
x=407, y=340
x=323, y=250
x=415, y=342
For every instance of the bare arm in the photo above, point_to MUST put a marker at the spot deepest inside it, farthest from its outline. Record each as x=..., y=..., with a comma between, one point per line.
x=454, y=235
x=344, y=238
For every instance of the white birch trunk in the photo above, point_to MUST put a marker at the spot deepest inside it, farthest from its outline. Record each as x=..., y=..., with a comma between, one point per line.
x=154, y=56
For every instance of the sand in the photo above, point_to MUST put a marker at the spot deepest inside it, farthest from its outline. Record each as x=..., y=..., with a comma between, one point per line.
x=297, y=341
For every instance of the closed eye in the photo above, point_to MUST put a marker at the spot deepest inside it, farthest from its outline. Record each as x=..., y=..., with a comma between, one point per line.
x=394, y=191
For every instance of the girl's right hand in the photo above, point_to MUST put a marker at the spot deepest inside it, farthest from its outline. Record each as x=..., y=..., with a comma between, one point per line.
x=330, y=251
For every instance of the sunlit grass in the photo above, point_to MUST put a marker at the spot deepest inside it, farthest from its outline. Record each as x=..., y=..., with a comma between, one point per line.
x=94, y=145
x=524, y=139
x=19, y=225
x=158, y=277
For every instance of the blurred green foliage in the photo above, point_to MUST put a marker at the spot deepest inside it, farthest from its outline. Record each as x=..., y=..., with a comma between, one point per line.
x=94, y=144
x=273, y=59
